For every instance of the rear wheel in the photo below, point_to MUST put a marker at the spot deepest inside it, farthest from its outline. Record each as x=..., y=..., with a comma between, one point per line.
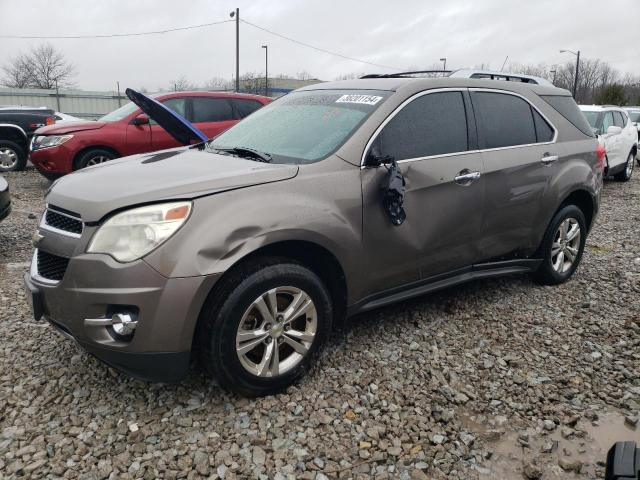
x=95, y=156
x=12, y=156
x=562, y=246
x=625, y=175
x=263, y=326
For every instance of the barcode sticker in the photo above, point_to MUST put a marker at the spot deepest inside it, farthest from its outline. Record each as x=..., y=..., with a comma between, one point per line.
x=362, y=99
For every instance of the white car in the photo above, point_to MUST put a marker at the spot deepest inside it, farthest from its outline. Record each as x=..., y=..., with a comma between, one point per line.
x=617, y=134
x=634, y=114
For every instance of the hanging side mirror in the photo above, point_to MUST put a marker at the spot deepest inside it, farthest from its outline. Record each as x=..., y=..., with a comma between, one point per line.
x=375, y=158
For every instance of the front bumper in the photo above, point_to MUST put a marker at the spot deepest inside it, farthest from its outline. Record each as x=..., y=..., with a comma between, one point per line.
x=53, y=160
x=95, y=286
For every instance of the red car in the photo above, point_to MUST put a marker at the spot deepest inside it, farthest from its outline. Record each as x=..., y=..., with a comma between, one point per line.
x=60, y=149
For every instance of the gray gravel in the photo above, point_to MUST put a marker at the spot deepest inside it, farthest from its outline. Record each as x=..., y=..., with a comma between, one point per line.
x=494, y=379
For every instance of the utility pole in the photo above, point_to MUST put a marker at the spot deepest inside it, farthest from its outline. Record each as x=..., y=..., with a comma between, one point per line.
x=57, y=95
x=575, y=80
x=266, y=70
x=119, y=100
x=236, y=14
x=444, y=66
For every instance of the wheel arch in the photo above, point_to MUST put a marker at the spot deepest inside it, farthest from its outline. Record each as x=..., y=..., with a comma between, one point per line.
x=310, y=254
x=584, y=201
x=14, y=133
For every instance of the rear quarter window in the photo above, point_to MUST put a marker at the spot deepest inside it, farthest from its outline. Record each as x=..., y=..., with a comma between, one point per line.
x=567, y=107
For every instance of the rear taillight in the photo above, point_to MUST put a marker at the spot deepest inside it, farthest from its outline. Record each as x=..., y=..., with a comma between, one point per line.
x=51, y=120
x=601, y=153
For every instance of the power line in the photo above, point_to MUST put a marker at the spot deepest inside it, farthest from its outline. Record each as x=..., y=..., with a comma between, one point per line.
x=111, y=35
x=317, y=48
x=191, y=27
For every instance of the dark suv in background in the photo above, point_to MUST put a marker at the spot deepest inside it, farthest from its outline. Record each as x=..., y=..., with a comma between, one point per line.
x=60, y=149
x=333, y=200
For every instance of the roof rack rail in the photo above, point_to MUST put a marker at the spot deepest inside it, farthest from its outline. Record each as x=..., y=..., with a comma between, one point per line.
x=402, y=74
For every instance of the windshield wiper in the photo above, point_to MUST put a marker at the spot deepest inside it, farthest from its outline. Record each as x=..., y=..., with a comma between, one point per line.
x=247, y=153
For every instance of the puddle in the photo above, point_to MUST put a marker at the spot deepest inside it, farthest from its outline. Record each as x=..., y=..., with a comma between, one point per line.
x=588, y=445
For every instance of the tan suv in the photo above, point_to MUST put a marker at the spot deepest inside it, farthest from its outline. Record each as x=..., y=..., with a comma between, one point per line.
x=335, y=199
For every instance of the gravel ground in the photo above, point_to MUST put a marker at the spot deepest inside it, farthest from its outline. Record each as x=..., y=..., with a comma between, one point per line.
x=494, y=379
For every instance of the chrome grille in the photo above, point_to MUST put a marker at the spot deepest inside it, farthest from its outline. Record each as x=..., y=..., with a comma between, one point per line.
x=62, y=222
x=51, y=267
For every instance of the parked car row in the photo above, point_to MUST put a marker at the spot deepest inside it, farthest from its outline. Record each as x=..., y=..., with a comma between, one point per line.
x=618, y=135
x=245, y=250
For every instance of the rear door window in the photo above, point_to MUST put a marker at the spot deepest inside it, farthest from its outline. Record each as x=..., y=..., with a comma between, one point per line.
x=503, y=120
x=618, y=119
x=244, y=107
x=433, y=124
x=544, y=131
x=211, y=110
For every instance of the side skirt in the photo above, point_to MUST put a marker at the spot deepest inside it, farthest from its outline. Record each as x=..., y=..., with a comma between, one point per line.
x=439, y=282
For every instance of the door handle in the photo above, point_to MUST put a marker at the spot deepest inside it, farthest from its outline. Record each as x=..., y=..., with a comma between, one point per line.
x=466, y=177
x=549, y=159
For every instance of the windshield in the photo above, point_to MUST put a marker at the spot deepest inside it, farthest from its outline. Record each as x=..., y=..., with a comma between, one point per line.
x=122, y=112
x=302, y=127
x=592, y=118
x=635, y=116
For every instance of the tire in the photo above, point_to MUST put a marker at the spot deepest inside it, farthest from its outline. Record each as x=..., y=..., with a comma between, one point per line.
x=551, y=270
x=92, y=157
x=15, y=158
x=231, y=309
x=625, y=175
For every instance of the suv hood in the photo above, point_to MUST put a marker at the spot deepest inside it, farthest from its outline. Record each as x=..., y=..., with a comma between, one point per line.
x=182, y=173
x=175, y=124
x=64, y=128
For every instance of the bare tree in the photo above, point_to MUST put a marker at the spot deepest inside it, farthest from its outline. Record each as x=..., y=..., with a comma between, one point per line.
x=304, y=75
x=252, y=82
x=218, y=83
x=180, y=84
x=42, y=67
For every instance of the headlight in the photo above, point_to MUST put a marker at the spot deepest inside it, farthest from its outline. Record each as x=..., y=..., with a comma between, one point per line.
x=45, y=141
x=132, y=234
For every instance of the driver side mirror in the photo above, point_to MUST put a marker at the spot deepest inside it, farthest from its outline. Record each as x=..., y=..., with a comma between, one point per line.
x=142, y=119
x=613, y=130
x=374, y=157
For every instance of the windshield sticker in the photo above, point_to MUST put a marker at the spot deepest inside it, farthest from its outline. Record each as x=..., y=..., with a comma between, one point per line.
x=361, y=99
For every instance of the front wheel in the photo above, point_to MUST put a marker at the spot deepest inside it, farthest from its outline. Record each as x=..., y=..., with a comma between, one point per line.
x=12, y=156
x=562, y=246
x=625, y=175
x=263, y=326
x=92, y=157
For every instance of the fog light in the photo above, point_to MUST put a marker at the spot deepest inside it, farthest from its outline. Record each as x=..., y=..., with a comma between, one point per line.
x=123, y=324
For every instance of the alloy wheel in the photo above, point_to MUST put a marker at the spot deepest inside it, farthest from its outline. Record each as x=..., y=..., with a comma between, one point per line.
x=566, y=245
x=629, y=165
x=98, y=159
x=276, y=331
x=8, y=158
